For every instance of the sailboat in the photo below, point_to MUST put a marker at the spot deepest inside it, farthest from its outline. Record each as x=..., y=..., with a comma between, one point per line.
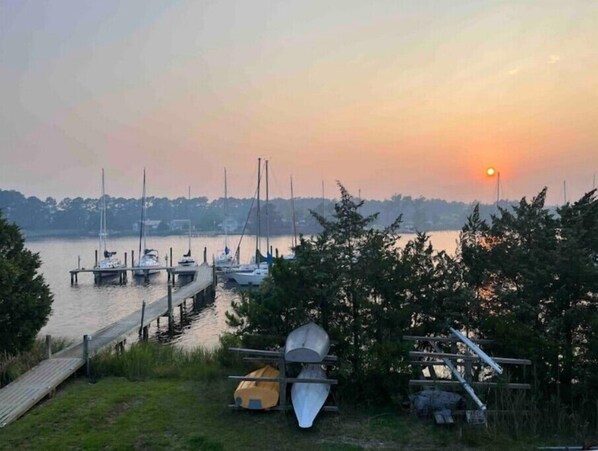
x=255, y=276
x=225, y=260
x=187, y=260
x=149, y=260
x=109, y=261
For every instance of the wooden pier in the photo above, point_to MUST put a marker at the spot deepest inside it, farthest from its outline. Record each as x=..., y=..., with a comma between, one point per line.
x=121, y=272
x=22, y=394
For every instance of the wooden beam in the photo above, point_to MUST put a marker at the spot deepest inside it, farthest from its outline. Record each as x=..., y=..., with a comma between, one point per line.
x=277, y=354
x=427, y=382
x=444, y=339
x=448, y=355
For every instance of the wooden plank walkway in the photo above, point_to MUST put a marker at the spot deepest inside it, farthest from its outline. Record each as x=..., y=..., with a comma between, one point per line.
x=22, y=394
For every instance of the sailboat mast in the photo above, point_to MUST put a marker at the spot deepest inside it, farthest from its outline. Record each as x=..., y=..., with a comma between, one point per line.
x=103, y=219
x=225, y=214
x=294, y=217
x=189, y=217
x=142, y=221
x=258, y=231
x=267, y=214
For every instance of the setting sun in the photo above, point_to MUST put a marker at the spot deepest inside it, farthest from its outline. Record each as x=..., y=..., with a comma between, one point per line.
x=490, y=172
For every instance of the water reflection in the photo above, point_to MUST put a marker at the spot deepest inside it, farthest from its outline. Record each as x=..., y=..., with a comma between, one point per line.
x=84, y=308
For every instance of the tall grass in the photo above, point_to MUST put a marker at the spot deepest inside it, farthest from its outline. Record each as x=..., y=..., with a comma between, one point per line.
x=149, y=360
x=13, y=365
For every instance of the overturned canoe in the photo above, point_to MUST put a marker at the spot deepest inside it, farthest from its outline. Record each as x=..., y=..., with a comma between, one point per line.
x=308, y=398
x=258, y=395
x=308, y=343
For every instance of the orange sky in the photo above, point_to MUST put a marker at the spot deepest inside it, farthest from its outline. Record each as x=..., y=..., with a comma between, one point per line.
x=393, y=97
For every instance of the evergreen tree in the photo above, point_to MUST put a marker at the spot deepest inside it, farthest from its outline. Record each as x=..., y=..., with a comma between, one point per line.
x=25, y=299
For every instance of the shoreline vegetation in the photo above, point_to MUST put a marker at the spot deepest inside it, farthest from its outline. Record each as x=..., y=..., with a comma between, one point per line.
x=156, y=396
x=79, y=217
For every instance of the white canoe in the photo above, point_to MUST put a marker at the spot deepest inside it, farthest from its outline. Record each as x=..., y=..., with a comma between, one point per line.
x=308, y=398
x=308, y=344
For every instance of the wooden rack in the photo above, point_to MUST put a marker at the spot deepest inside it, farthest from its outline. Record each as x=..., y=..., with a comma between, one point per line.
x=260, y=355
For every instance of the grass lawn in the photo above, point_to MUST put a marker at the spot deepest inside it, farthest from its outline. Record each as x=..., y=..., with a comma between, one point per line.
x=116, y=413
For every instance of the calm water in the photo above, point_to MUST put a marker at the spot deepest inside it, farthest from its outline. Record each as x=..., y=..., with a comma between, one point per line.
x=85, y=308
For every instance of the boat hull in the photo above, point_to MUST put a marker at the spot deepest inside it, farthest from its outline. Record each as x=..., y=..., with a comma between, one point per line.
x=307, y=344
x=309, y=398
x=258, y=395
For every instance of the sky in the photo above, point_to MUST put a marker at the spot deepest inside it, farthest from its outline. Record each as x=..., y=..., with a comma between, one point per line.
x=410, y=97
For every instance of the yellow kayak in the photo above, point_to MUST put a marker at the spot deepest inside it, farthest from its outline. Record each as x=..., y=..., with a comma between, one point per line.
x=258, y=395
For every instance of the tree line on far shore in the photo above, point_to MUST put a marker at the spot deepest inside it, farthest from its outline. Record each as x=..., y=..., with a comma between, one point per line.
x=527, y=278
x=81, y=216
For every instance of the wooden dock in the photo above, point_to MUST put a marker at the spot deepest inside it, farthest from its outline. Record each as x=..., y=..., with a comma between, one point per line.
x=121, y=272
x=22, y=394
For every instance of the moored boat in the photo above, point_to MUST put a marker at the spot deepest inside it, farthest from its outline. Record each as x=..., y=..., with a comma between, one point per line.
x=258, y=395
x=149, y=262
x=309, y=398
x=109, y=262
x=308, y=344
x=253, y=277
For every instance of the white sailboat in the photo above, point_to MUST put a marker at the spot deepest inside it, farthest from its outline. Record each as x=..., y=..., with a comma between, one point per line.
x=187, y=260
x=259, y=272
x=109, y=260
x=149, y=259
x=225, y=259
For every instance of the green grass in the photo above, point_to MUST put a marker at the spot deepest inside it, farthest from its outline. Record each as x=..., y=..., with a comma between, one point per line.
x=165, y=398
x=12, y=366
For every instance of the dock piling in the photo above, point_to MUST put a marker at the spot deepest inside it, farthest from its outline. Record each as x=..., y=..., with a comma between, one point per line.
x=96, y=264
x=205, y=254
x=86, y=359
x=48, y=346
x=171, y=260
x=142, y=317
x=170, y=317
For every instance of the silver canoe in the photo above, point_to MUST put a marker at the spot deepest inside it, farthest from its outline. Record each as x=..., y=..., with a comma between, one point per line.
x=309, y=398
x=308, y=344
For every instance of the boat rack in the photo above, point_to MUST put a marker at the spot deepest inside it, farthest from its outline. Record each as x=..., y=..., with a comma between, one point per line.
x=261, y=355
x=461, y=368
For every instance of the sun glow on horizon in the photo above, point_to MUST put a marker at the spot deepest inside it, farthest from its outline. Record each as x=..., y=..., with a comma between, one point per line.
x=490, y=171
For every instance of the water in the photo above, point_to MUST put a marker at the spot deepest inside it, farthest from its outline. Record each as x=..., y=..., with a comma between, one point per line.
x=86, y=307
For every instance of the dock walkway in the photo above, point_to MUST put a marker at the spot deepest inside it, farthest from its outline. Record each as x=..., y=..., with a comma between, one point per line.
x=22, y=394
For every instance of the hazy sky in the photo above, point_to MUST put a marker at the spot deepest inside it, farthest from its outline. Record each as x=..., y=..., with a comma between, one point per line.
x=391, y=97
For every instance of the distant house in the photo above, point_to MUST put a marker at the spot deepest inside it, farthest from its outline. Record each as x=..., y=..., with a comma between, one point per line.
x=151, y=224
x=229, y=225
x=179, y=224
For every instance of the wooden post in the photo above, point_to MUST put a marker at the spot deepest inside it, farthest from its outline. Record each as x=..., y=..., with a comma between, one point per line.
x=170, y=318
x=205, y=254
x=181, y=312
x=142, y=317
x=145, y=336
x=171, y=263
x=146, y=275
x=125, y=259
x=276, y=252
x=86, y=339
x=282, y=368
x=72, y=278
x=48, y=346
x=78, y=262
x=96, y=264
